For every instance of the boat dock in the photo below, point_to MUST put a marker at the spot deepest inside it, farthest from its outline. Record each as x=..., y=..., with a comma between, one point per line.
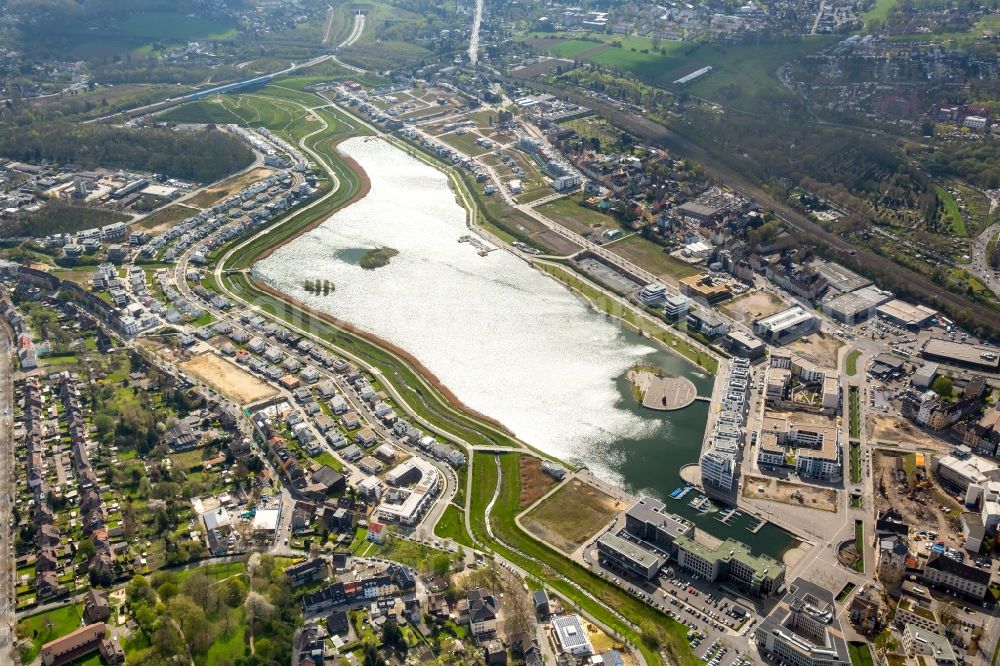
x=701, y=503
x=726, y=515
x=482, y=247
x=679, y=493
x=757, y=528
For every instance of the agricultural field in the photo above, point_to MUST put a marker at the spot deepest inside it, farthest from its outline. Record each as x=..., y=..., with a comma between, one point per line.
x=571, y=515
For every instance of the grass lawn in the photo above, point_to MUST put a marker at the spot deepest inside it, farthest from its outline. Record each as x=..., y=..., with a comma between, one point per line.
x=854, y=406
x=166, y=217
x=859, y=543
x=879, y=10
x=410, y=553
x=204, y=320
x=861, y=654
x=227, y=647
x=48, y=626
x=465, y=143
x=548, y=565
x=852, y=362
x=855, y=462
x=647, y=254
x=452, y=526
x=951, y=215
x=570, y=213
x=326, y=458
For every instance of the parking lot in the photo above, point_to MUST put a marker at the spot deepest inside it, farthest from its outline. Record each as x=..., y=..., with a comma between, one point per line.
x=720, y=625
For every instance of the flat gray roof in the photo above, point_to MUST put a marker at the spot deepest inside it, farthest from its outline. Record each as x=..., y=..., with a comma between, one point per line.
x=961, y=352
x=840, y=278
x=644, y=558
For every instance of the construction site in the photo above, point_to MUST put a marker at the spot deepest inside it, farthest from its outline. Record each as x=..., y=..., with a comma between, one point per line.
x=904, y=483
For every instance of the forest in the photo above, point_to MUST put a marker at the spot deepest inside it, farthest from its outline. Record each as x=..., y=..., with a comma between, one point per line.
x=202, y=157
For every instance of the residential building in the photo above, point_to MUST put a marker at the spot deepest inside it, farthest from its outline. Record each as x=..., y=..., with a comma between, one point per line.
x=955, y=576
x=892, y=554
x=719, y=469
x=914, y=612
x=482, y=614
x=571, y=636
x=917, y=641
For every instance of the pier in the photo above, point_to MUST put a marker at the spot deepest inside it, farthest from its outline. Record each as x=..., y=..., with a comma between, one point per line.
x=482, y=247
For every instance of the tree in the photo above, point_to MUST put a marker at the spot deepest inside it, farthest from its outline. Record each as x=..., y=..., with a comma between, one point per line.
x=943, y=386
x=105, y=425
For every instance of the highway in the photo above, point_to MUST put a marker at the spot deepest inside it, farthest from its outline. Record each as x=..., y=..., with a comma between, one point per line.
x=8, y=654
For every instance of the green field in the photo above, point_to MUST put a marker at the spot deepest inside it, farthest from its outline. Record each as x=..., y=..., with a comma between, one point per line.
x=45, y=627
x=951, y=215
x=861, y=654
x=859, y=543
x=854, y=407
x=452, y=526
x=740, y=72
x=172, y=26
x=855, y=462
x=852, y=362
x=878, y=11
x=570, y=213
x=647, y=254
x=546, y=564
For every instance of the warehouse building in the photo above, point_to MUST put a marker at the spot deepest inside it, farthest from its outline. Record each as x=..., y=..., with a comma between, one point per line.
x=901, y=313
x=856, y=306
x=961, y=354
x=838, y=277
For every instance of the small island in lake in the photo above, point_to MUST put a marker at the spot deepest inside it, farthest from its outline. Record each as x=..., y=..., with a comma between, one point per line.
x=653, y=390
x=377, y=257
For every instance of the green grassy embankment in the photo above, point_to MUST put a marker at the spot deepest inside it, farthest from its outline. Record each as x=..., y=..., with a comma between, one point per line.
x=555, y=570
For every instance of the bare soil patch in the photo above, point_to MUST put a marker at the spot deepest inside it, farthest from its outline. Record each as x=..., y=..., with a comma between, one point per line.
x=161, y=220
x=534, y=482
x=794, y=494
x=228, y=378
x=818, y=347
x=753, y=305
x=212, y=194
x=571, y=515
